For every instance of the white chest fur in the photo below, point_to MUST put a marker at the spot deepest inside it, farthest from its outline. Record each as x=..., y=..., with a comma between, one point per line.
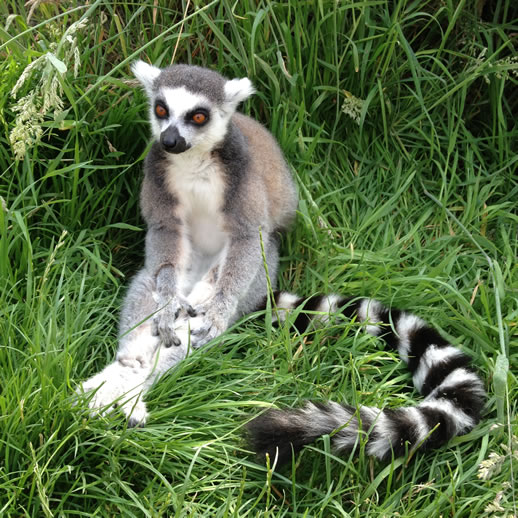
x=197, y=181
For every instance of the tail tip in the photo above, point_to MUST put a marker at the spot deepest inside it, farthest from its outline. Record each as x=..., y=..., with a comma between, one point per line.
x=272, y=434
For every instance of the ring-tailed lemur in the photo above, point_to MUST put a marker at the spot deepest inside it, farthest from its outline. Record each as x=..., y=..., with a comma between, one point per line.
x=216, y=193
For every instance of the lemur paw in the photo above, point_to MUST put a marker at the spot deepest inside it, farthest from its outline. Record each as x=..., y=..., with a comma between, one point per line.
x=205, y=328
x=117, y=386
x=163, y=323
x=139, y=415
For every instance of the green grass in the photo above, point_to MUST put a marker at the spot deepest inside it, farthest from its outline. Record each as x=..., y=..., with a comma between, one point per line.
x=414, y=204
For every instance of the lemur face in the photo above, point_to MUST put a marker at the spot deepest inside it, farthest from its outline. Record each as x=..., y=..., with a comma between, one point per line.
x=190, y=107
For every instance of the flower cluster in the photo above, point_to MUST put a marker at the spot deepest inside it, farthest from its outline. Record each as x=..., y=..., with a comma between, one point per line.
x=493, y=465
x=45, y=97
x=496, y=505
x=352, y=106
x=501, y=68
x=27, y=129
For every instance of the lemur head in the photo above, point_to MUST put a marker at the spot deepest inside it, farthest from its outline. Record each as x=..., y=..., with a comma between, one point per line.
x=190, y=106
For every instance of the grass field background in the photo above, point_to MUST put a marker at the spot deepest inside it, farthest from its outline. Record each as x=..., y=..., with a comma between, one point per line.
x=399, y=121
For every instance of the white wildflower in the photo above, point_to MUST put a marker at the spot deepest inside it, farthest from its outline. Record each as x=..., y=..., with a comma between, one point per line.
x=491, y=466
x=26, y=73
x=76, y=26
x=9, y=20
x=51, y=97
x=77, y=61
x=27, y=129
x=34, y=4
x=512, y=63
x=46, y=96
x=512, y=449
x=481, y=55
x=501, y=498
x=507, y=66
x=352, y=106
x=495, y=506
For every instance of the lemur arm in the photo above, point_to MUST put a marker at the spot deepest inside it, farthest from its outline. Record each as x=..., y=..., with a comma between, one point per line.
x=243, y=259
x=167, y=253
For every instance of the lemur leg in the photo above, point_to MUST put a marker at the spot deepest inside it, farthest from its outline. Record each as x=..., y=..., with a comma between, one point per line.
x=121, y=383
x=255, y=296
x=204, y=289
x=239, y=288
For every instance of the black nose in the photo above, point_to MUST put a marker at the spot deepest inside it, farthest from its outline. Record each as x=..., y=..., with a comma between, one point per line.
x=172, y=141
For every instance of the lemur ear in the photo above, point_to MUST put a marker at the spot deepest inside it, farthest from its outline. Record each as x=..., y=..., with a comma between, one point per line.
x=145, y=73
x=237, y=90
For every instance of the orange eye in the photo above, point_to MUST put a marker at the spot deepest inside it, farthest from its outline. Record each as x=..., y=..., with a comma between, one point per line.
x=160, y=111
x=199, y=118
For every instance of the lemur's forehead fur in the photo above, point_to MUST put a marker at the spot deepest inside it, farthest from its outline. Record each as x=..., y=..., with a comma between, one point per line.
x=196, y=80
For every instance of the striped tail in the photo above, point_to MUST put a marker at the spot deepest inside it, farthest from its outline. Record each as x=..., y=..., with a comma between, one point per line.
x=454, y=393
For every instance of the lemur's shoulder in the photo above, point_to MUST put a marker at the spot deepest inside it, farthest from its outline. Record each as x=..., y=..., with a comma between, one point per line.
x=268, y=168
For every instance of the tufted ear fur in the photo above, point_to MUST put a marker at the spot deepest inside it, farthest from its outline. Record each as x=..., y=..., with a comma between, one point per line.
x=237, y=90
x=145, y=73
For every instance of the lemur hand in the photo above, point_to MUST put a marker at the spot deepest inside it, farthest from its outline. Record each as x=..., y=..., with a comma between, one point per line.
x=163, y=321
x=210, y=322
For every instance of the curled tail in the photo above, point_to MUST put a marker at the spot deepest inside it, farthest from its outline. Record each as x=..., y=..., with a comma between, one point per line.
x=454, y=393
